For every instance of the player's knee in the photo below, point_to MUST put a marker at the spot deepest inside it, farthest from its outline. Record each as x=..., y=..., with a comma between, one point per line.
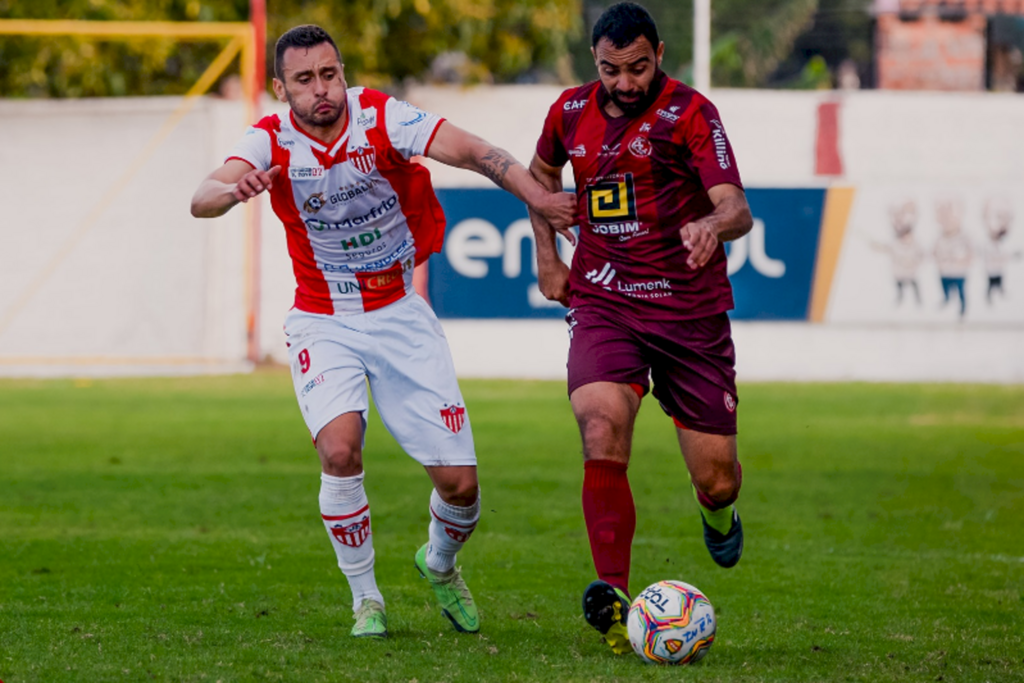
x=341, y=459
x=602, y=436
x=721, y=490
x=462, y=492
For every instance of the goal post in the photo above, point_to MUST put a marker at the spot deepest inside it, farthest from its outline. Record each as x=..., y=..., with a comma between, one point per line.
x=245, y=40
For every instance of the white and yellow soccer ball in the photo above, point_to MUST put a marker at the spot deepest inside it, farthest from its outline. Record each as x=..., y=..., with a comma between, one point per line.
x=671, y=622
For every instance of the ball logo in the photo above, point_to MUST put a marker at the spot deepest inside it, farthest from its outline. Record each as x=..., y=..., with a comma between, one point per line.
x=454, y=417
x=730, y=402
x=640, y=147
x=314, y=203
x=673, y=646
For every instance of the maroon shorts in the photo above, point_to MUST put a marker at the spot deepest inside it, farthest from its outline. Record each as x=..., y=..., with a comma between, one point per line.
x=689, y=361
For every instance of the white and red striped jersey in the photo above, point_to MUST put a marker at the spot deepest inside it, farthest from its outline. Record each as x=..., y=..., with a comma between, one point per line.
x=358, y=214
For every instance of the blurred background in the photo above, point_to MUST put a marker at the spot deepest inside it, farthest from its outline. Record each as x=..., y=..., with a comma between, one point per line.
x=880, y=142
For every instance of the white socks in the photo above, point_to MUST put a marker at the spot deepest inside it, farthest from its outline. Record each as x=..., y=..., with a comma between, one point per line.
x=450, y=527
x=346, y=515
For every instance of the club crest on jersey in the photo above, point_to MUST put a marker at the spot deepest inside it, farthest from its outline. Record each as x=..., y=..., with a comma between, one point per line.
x=353, y=535
x=314, y=203
x=730, y=402
x=364, y=159
x=305, y=172
x=640, y=147
x=612, y=201
x=454, y=417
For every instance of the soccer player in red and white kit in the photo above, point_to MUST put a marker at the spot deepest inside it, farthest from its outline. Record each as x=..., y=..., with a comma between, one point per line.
x=359, y=216
x=658, y=194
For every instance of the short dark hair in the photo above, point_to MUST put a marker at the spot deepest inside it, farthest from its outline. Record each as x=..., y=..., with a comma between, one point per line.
x=308, y=35
x=623, y=23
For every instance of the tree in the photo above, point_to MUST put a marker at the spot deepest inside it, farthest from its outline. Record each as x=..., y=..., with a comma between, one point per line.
x=382, y=41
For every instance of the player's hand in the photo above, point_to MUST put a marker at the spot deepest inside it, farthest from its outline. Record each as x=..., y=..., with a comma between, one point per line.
x=559, y=210
x=553, y=281
x=701, y=240
x=254, y=182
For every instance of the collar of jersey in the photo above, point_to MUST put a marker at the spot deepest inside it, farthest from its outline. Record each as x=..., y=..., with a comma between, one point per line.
x=330, y=147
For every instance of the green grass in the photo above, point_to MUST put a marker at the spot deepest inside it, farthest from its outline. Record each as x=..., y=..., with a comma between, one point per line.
x=168, y=530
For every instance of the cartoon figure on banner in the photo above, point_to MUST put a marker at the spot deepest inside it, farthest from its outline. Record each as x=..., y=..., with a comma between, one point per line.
x=906, y=254
x=953, y=253
x=998, y=216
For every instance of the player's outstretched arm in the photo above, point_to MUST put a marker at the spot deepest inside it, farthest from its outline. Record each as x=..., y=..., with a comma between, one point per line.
x=730, y=220
x=234, y=182
x=552, y=273
x=459, y=148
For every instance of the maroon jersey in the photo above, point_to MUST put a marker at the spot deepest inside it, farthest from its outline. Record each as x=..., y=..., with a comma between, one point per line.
x=638, y=181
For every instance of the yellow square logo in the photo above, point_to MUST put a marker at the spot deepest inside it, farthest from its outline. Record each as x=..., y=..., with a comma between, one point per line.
x=611, y=202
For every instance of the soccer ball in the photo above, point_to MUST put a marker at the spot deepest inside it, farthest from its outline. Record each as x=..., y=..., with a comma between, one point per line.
x=671, y=622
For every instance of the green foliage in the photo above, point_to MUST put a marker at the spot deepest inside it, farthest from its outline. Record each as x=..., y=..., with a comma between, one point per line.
x=750, y=39
x=167, y=529
x=88, y=67
x=382, y=41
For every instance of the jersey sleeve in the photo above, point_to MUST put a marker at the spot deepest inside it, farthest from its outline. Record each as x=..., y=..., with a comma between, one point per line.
x=550, y=147
x=253, y=148
x=712, y=153
x=410, y=129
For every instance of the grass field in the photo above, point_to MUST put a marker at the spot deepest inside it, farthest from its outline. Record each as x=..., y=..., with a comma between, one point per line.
x=168, y=530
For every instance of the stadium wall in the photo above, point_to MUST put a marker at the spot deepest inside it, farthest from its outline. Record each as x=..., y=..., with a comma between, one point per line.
x=815, y=283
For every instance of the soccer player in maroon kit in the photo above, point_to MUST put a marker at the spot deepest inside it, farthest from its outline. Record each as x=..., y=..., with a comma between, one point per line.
x=658, y=194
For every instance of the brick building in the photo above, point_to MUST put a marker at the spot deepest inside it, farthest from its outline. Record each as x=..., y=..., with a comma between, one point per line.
x=958, y=45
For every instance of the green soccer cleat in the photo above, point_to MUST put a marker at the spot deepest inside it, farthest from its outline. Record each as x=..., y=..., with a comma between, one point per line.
x=371, y=622
x=452, y=594
x=605, y=608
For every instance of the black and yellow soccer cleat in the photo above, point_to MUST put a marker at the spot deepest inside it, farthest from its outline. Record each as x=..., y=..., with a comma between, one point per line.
x=605, y=608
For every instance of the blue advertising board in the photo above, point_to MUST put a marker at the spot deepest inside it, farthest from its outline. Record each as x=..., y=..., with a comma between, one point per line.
x=487, y=268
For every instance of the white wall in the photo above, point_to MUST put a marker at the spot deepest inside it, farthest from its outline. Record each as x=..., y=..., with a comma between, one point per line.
x=147, y=280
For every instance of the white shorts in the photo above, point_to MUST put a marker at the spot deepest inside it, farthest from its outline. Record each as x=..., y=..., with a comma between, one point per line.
x=402, y=352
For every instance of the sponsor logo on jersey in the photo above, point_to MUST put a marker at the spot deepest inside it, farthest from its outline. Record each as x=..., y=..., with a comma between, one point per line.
x=367, y=118
x=616, y=228
x=673, y=109
x=730, y=402
x=376, y=212
x=721, y=147
x=353, y=535
x=396, y=254
x=364, y=159
x=602, y=277
x=364, y=239
x=454, y=417
x=347, y=193
x=645, y=289
x=319, y=379
x=669, y=116
x=416, y=119
x=612, y=201
x=611, y=150
x=640, y=147
x=313, y=203
x=578, y=151
x=305, y=172
x=574, y=105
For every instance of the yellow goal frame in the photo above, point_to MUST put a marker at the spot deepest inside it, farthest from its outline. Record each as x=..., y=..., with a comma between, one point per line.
x=244, y=40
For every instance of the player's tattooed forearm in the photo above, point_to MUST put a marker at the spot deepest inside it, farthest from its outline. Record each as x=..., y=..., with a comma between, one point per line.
x=495, y=165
